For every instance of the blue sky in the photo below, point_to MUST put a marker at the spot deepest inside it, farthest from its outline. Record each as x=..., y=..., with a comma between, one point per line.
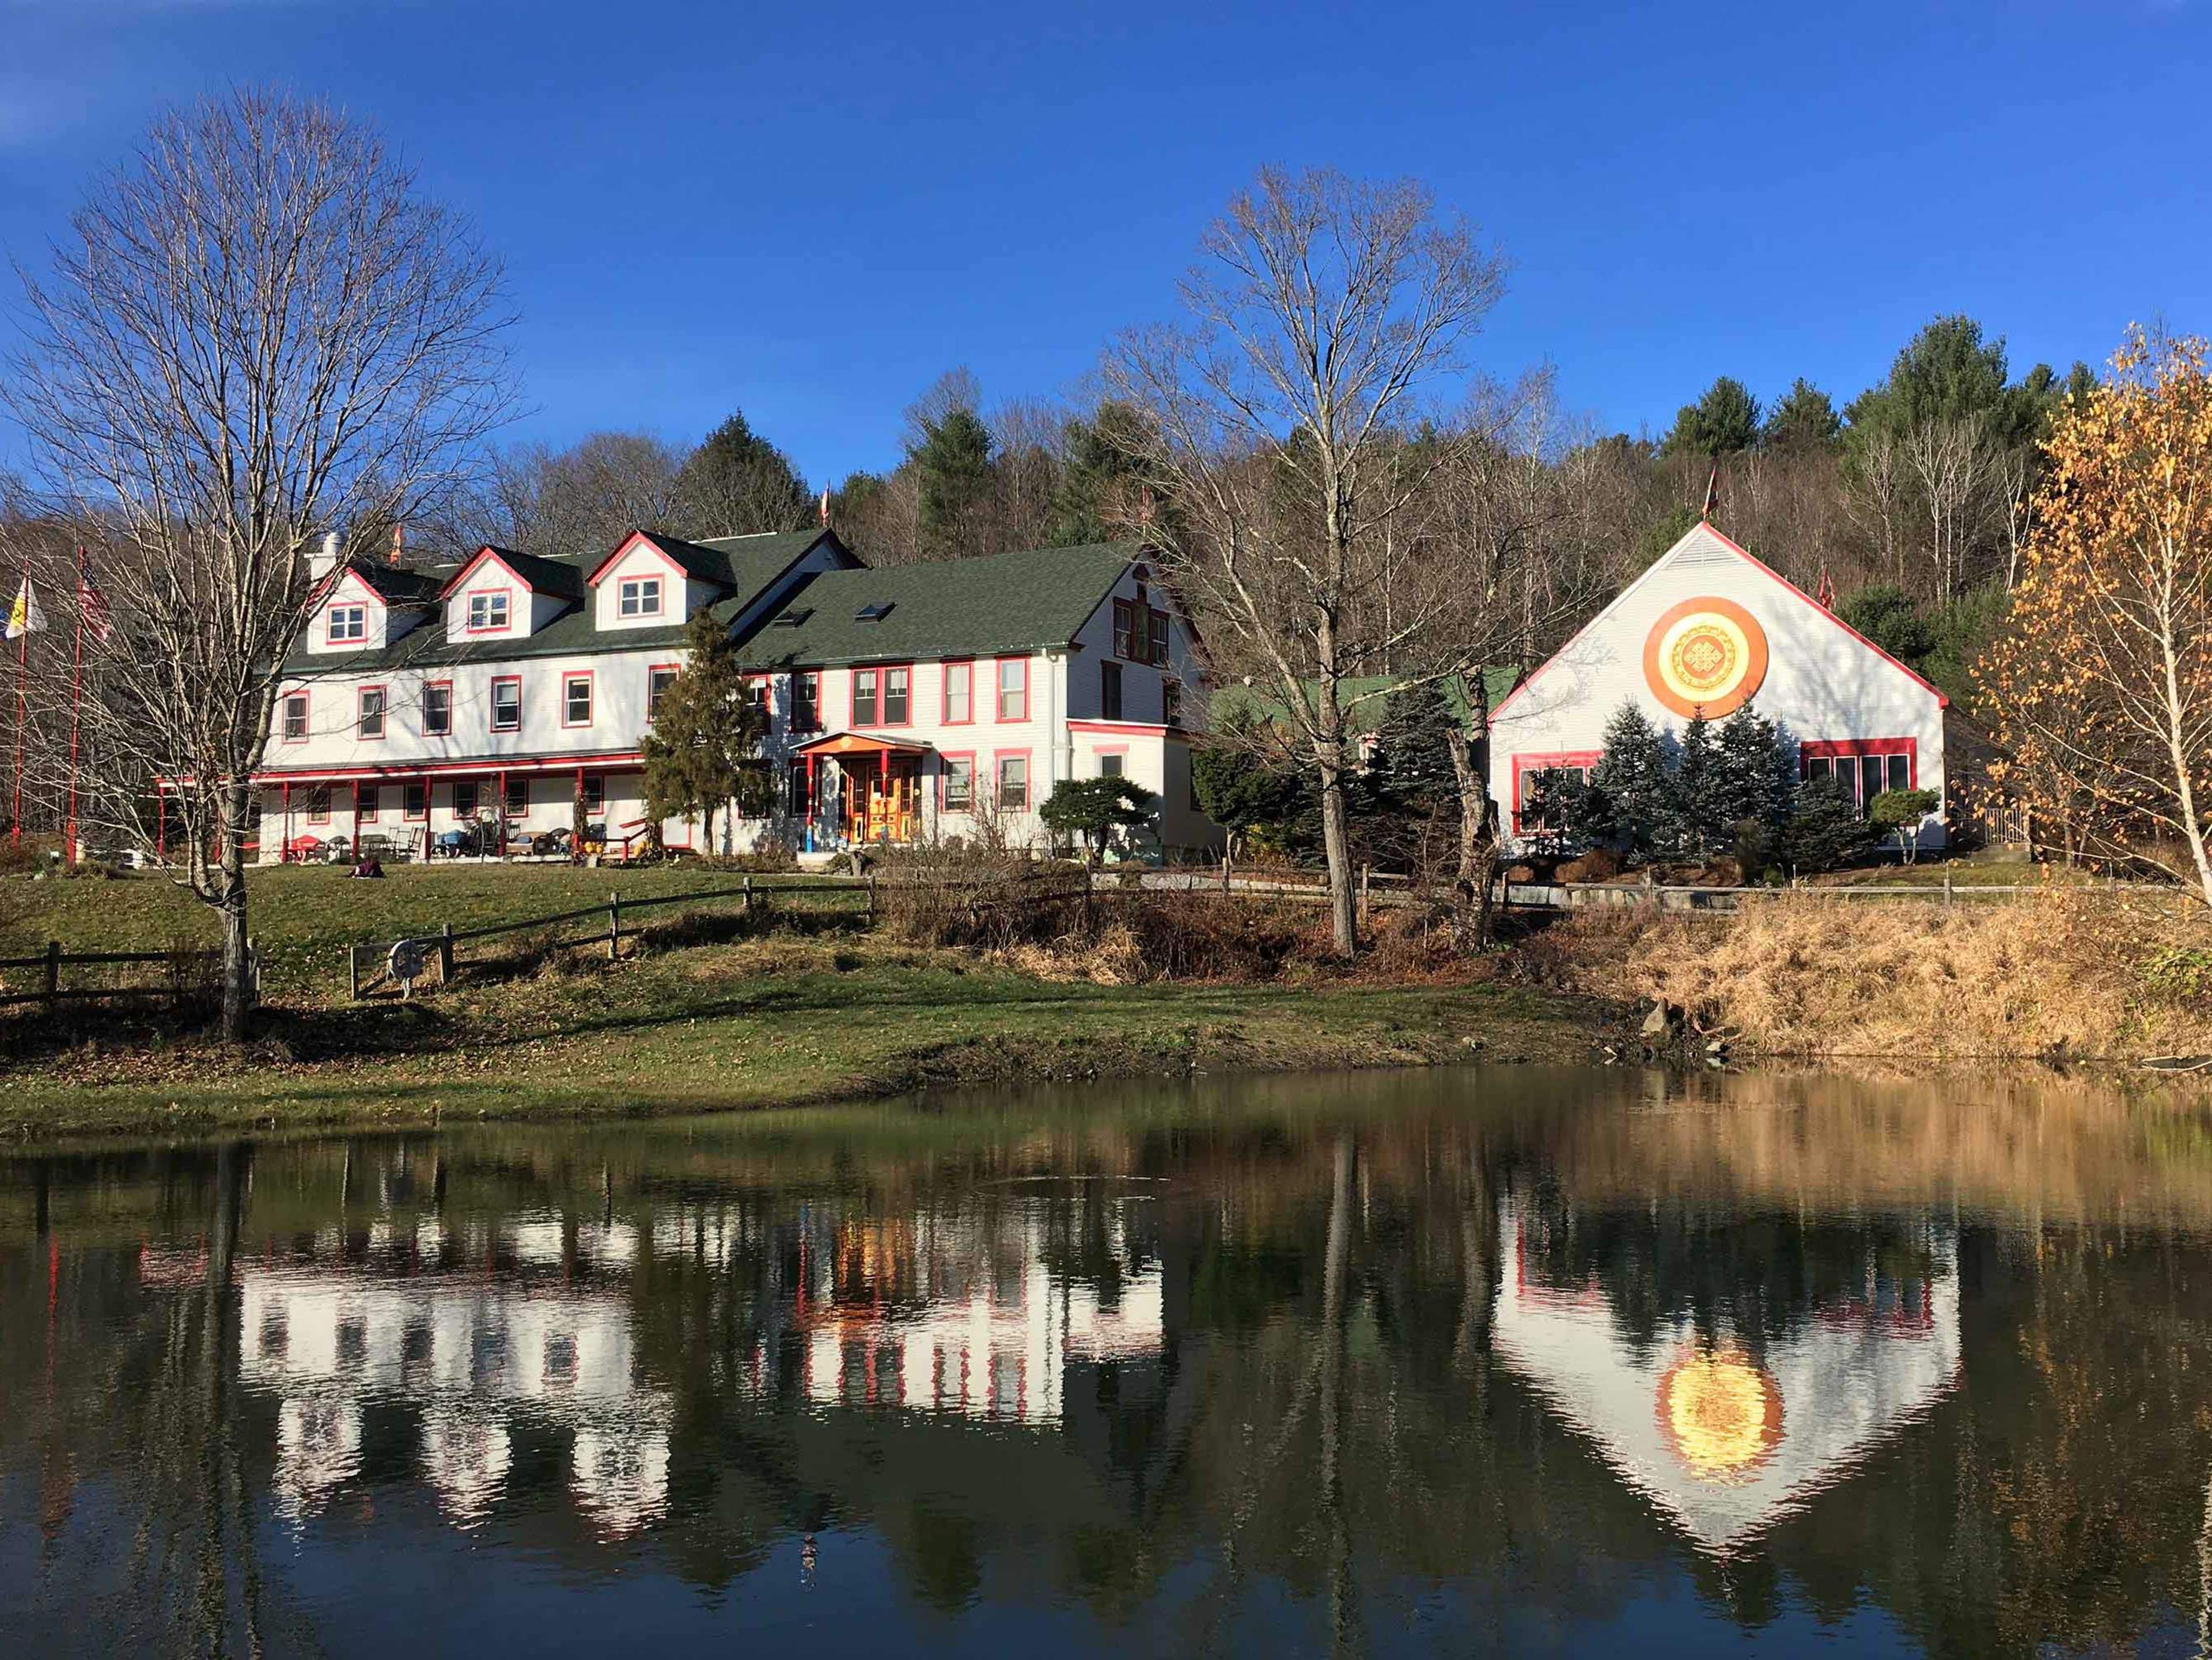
x=813, y=211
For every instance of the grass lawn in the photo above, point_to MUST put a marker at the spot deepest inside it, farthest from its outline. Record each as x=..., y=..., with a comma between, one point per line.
x=711, y=1011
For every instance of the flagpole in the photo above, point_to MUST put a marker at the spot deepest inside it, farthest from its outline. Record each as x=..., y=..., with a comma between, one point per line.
x=22, y=706
x=76, y=687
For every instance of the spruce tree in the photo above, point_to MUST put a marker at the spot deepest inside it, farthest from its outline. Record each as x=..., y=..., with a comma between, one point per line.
x=1751, y=774
x=1407, y=802
x=701, y=756
x=952, y=469
x=1695, y=819
x=1631, y=778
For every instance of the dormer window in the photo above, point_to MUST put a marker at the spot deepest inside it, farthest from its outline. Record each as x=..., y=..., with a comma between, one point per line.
x=641, y=597
x=349, y=624
x=487, y=612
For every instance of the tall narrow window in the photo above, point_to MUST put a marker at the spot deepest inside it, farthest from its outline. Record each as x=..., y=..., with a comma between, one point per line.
x=365, y=802
x=1110, y=691
x=595, y=792
x=806, y=701
x=296, y=717
x=506, y=702
x=1014, y=689
x=1125, y=630
x=959, y=694
x=414, y=801
x=319, y=804
x=464, y=798
x=371, y=722
x=657, y=682
x=897, y=682
x=1013, y=782
x=640, y=596
x=863, y=698
x=576, y=700
x=437, y=708
x=1171, y=703
x=515, y=799
x=1158, y=652
x=959, y=783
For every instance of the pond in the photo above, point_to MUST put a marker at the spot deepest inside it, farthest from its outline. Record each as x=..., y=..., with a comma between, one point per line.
x=1504, y=1360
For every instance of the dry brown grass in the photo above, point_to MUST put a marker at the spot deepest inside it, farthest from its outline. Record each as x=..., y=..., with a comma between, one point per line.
x=2063, y=971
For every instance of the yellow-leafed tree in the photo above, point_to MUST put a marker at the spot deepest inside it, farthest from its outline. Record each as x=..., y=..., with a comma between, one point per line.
x=2099, y=689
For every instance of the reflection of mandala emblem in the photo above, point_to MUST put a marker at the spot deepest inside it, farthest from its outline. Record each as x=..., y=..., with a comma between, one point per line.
x=1707, y=655
x=1720, y=1412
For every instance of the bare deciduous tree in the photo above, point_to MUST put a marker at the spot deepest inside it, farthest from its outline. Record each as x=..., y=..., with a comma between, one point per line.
x=1274, y=417
x=257, y=332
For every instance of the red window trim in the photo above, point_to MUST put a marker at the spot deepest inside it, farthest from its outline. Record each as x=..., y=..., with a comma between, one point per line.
x=421, y=818
x=283, y=718
x=468, y=601
x=1542, y=760
x=998, y=758
x=944, y=756
x=491, y=705
x=659, y=613
x=330, y=624
x=999, y=716
x=884, y=670
x=651, y=669
x=569, y=678
x=384, y=714
x=367, y=802
x=422, y=719
x=506, y=783
x=1836, y=748
x=944, y=692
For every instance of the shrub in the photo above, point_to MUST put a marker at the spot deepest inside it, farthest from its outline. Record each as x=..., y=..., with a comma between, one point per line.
x=1826, y=831
x=2180, y=975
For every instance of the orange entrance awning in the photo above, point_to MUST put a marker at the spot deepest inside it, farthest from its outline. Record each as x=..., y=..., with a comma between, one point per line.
x=860, y=742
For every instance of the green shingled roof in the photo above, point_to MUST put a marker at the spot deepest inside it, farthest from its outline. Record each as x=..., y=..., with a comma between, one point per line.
x=1008, y=603
x=747, y=563
x=1374, y=691
x=561, y=576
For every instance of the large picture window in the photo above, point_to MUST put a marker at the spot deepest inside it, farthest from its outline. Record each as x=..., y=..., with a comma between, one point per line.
x=1861, y=768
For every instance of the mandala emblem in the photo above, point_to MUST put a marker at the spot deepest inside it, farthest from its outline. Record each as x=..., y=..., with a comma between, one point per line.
x=1720, y=1412
x=1706, y=655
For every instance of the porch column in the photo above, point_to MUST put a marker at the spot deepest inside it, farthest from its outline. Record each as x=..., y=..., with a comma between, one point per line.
x=503, y=812
x=813, y=798
x=356, y=818
x=285, y=852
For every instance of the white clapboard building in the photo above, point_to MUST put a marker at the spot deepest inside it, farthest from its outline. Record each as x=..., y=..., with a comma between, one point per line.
x=1709, y=627
x=903, y=704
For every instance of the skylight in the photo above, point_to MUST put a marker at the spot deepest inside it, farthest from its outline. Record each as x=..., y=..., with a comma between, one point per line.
x=791, y=619
x=874, y=613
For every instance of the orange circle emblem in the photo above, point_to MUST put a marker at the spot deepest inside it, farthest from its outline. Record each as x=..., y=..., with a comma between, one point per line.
x=1720, y=1412
x=1706, y=655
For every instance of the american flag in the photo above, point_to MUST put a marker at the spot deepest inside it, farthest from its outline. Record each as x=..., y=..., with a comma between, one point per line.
x=1826, y=591
x=91, y=606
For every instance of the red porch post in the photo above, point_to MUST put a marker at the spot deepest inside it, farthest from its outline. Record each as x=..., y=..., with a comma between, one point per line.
x=284, y=853
x=356, y=818
x=503, y=812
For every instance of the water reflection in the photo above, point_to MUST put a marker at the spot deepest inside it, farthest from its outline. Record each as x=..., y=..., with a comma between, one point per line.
x=1501, y=1362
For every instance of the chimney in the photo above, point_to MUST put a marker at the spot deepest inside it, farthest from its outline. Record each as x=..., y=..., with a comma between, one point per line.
x=399, y=538
x=325, y=558
x=825, y=509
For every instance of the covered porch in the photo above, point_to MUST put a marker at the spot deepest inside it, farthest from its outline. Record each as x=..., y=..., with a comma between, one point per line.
x=855, y=789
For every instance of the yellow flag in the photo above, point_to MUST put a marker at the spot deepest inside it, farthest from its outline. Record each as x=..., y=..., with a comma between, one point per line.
x=24, y=617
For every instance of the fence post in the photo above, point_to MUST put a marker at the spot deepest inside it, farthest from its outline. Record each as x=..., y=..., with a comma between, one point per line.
x=745, y=905
x=446, y=955
x=1947, y=886
x=1366, y=871
x=871, y=898
x=53, y=973
x=353, y=974
x=1650, y=887
x=614, y=927
x=1225, y=872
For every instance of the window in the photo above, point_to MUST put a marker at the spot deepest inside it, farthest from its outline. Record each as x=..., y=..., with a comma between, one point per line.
x=1110, y=691
x=365, y=802
x=795, y=788
x=595, y=793
x=959, y=783
x=657, y=679
x=371, y=721
x=1013, y=782
x=806, y=701
x=959, y=694
x=1014, y=689
x=319, y=804
x=487, y=612
x=464, y=798
x=437, y=708
x=756, y=697
x=1536, y=780
x=414, y=801
x=1860, y=768
x=348, y=623
x=898, y=703
x=576, y=699
x=1158, y=652
x=1110, y=766
x=640, y=596
x=296, y=717
x=1171, y=703
x=1125, y=630
x=863, y=698
x=506, y=702
x=515, y=798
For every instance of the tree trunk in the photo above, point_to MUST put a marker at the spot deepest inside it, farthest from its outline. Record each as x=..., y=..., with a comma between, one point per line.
x=1336, y=843
x=237, y=961
x=1478, y=840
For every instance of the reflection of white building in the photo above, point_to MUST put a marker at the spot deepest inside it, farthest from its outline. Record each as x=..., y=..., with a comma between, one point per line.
x=473, y=1354
x=986, y=1327
x=1724, y=1443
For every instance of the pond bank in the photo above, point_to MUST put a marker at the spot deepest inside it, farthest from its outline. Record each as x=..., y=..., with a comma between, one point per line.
x=757, y=1023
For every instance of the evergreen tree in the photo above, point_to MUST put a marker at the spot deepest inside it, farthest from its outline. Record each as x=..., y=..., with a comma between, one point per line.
x=1242, y=792
x=701, y=756
x=952, y=475
x=1946, y=373
x=1695, y=820
x=737, y=483
x=1631, y=789
x=1723, y=421
x=1407, y=799
x=1751, y=773
x=1096, y=810
x=1804, y=419
x=1888, y=615
x=1825, y=831
x=1099, y=475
